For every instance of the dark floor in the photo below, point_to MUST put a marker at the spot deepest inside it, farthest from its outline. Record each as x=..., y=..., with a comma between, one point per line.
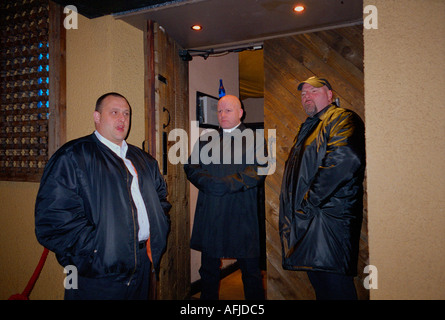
x=231, y=287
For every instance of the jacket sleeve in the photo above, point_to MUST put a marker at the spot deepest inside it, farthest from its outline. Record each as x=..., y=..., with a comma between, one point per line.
x=60, y=221
x=204, y=181
x=219, y=186
x=343, y=158
x=161, y=189
x=243, y=180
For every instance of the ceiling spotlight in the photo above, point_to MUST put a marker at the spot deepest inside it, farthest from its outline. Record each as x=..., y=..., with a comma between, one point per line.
x=299, y=8
x=197, y=27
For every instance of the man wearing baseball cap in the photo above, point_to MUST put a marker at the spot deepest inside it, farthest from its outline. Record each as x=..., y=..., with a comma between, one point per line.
x=321, y=200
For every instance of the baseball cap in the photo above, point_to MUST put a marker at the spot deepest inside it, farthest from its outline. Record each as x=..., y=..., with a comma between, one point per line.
x=315, y=82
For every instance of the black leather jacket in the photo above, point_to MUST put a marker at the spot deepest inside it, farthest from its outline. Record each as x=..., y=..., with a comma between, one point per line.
x=321, y=201
x=85, y=213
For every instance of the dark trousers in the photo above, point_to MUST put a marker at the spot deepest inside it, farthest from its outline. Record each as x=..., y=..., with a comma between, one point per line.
x=332, y=286
x=210, y=272
x=105, y=289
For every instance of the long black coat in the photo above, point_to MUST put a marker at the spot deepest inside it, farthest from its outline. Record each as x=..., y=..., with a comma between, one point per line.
x=226, y=216
x=321, y=202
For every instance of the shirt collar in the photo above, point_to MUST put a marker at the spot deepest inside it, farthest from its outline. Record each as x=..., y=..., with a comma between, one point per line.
x=120, y=151
x=230, y=130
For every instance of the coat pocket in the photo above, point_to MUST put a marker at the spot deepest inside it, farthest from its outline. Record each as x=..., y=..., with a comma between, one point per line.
x=300, y=226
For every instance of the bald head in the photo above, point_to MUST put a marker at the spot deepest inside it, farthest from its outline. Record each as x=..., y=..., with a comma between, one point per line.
x=229, y=112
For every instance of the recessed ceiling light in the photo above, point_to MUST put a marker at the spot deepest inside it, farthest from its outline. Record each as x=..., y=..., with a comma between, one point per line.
x=299, y=8
x=197, y=27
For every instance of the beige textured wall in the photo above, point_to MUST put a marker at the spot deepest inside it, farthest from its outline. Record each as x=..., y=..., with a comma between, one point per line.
x=102, y=55
x=405, y=136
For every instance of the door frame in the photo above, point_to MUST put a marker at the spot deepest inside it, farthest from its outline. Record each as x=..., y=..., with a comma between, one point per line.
x=167, y=108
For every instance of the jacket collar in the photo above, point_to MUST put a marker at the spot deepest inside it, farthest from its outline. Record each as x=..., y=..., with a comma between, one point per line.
x=310, y=123
x=119, y=151
x=322, y=114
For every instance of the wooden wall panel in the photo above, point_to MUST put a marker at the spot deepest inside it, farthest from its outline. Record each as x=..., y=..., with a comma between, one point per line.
x=337, y=55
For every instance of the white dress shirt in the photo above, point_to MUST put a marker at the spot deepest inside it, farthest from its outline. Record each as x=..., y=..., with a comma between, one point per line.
x=144, y=227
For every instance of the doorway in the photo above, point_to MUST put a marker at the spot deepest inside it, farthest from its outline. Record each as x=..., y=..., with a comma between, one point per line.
x=204, y=76
x=336, y=54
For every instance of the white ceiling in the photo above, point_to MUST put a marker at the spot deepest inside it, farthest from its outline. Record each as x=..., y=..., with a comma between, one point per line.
x=238, y=22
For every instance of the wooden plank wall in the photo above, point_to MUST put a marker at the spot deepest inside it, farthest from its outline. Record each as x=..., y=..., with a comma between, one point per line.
x=337, y=55
x=167, y=99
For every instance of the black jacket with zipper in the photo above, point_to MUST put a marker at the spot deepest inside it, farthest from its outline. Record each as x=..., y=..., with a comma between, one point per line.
x=321, y=201
x=85, y=213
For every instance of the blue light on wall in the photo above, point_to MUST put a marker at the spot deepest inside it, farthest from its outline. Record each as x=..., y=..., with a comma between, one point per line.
x=43, y=92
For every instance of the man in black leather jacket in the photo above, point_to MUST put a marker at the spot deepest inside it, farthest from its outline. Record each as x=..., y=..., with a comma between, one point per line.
x=321, y=201
x=102, y=208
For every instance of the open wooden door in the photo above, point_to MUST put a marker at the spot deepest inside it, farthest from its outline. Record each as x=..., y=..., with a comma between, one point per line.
x=166, y=97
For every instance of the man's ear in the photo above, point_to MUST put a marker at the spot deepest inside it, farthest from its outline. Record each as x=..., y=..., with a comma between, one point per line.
x=96, y=117
x=330, y=95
